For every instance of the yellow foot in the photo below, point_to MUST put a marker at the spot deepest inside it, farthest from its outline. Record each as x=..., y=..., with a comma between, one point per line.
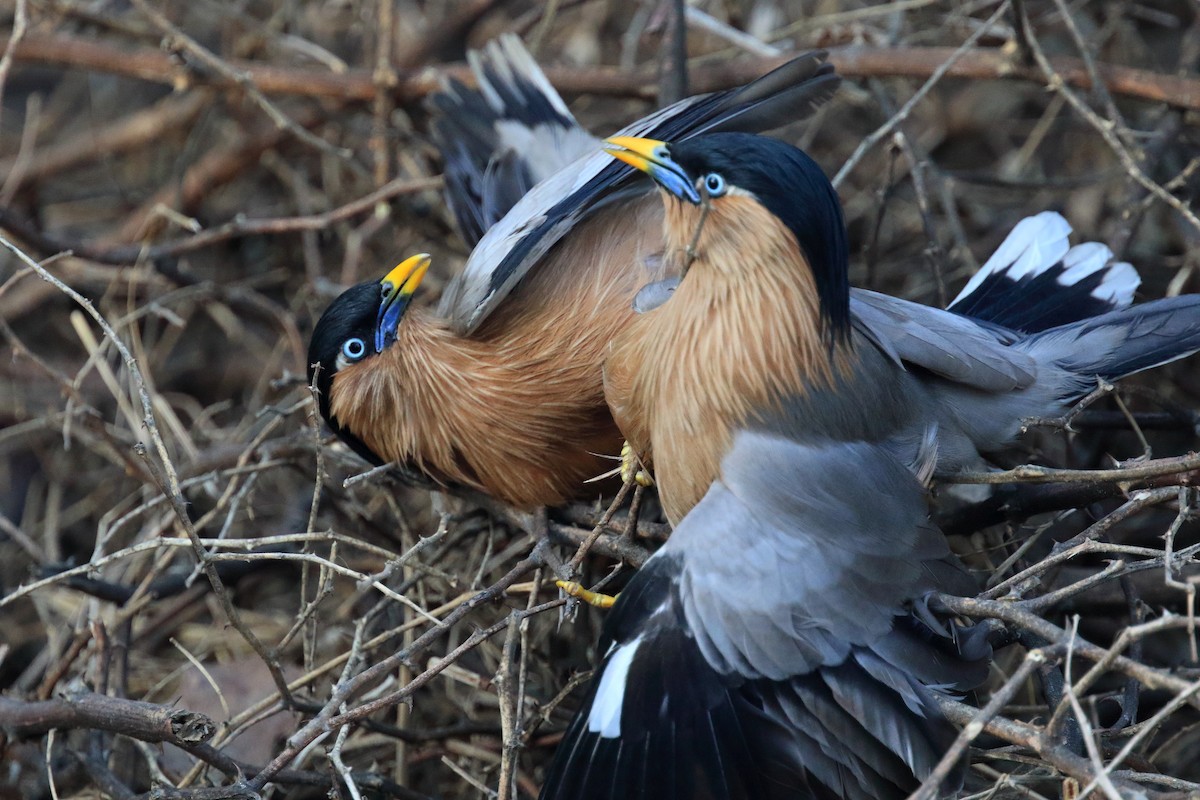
x=632, y=469
x=586, y=595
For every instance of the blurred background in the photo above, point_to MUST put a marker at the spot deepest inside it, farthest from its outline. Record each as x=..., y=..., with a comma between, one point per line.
x=211, y=174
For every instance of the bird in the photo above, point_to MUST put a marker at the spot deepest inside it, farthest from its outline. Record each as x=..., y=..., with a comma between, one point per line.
x=764, y=331
x=500, y=388
x=781, y=644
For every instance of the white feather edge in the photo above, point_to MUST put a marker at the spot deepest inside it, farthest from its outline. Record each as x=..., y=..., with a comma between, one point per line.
x=507, y=58
x=1038, y=243
x=1035, y=244
x=1120, y=280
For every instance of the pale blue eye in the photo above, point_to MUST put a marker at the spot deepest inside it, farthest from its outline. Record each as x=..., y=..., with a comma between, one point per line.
x=714, y=184
x=354, y=349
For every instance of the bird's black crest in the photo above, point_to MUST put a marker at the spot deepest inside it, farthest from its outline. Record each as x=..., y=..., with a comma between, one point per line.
x=351, y=314
x=793, y=188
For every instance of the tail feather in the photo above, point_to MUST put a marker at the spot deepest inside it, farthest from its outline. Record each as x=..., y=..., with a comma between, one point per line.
x=1035, y=281
x=515, y=86
x=1121, y=342
x=501, y=138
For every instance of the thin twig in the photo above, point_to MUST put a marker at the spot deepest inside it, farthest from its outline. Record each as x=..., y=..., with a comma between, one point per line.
x=886, y=128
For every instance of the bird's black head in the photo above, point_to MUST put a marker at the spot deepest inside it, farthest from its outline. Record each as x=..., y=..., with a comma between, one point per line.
x=357, y=326
x=781, y=177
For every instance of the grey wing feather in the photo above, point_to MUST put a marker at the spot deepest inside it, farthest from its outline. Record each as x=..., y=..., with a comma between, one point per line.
x=549, y=210
x=780, y=644
x=1069, y=358
x=499, y=139
x=956, y=348
x=778, y=530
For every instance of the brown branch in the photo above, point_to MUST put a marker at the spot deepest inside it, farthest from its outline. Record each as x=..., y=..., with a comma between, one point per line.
x=1181, y=91
x=148, y=722
x=1030, y=737
x=125, y=254
x=162, y=471
x=296, y=777
x=1011, y=613
x=216, y=168
x=103, y=777
x=990, y=64
x=122, y=135
x=1020, y=502
x=1109, y=129
x=608, y=544
x=330, y=719
x=181, y=44
x=20, y=26
x=454, y=28
x=930, y=787
x=1033, y=473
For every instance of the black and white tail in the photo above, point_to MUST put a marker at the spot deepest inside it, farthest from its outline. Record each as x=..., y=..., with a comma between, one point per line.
x=1035, y=281
x=500, y=139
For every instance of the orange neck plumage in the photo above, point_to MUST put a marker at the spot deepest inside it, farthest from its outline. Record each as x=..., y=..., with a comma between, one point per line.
x=459, y=410
x=517, y=408
x=742, y=333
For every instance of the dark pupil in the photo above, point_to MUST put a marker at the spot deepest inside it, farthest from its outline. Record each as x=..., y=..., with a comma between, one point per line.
x=354, y=348
x=714, y=182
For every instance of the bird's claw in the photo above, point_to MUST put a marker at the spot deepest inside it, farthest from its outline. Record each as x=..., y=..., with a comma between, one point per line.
x=586, y=595
x=632, y=469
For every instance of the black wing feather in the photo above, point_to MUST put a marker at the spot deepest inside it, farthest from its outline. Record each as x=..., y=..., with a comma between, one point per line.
x=485, y=176
x=716, y=714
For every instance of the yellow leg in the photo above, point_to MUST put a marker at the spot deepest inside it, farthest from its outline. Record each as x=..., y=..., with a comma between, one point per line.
x=591, y=598
x=632, y=469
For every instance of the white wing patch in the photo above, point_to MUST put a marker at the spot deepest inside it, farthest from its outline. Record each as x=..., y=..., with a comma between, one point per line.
x=605, y=717
x=1035, y=245
x=550, y=147
x=1116, y=286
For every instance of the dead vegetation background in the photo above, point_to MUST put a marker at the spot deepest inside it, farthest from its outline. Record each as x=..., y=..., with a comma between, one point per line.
x=195, y=603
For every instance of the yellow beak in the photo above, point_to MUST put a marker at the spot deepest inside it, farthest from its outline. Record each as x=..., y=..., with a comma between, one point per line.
x=407, y=275
x=637, y=153
x=654, y=158
x=396, y=290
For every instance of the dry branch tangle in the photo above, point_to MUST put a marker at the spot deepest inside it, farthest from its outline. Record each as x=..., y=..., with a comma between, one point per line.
x=361, y=88
x=856, y=61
